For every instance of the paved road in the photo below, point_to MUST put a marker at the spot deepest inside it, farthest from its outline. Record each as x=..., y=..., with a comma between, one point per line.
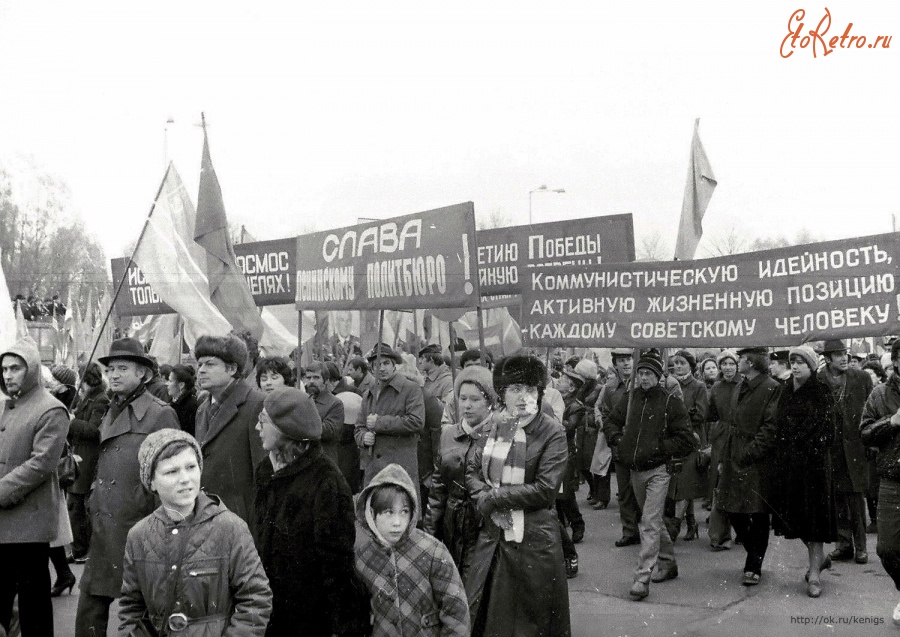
x=707, y=598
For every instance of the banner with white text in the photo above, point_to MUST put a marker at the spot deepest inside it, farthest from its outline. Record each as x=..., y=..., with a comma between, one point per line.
x=267, y=265
x=787, y=296
x=506, y=256
x=423, y=260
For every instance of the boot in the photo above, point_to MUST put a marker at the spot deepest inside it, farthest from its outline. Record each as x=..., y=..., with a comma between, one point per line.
x=673, y=526
x=692, y=532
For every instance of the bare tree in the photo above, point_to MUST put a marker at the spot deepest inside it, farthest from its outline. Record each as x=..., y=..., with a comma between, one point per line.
x=732, y=241
x=653, y=247
x=497, y=218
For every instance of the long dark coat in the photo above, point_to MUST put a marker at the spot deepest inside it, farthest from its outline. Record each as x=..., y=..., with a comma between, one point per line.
x=331, y=411
x=692, y=481
x=573, y=423
x=451, y=516
x=591, y=431
x=848, y=453
x=220, y=575
x=747, y=460
x=525, y=582
x=231, y=447
x=84, y=434
x=119, y=500
x=804, y=501
x=718, y=423
x=305, y=532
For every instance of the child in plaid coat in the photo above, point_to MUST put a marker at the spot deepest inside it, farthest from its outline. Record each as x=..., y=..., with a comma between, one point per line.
x=415, y=587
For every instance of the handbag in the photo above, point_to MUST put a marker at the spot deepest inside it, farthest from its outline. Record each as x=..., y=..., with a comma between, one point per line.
x=67, y=470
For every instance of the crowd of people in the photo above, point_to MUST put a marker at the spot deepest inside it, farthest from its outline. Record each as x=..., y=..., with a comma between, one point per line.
x=392, y=494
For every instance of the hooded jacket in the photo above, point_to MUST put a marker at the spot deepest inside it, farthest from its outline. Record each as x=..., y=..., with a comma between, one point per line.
x=415, y=586
x=208, y=564
x=33, y=429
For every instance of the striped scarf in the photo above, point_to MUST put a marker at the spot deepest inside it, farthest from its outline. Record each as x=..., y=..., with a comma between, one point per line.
x=503, y=463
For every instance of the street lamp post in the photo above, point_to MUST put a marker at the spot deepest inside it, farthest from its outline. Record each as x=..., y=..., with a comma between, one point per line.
x=541, y=188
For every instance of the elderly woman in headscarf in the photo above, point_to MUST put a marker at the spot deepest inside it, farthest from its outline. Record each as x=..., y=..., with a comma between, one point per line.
x=515, y=576
x=451, y=515
x=804, y=503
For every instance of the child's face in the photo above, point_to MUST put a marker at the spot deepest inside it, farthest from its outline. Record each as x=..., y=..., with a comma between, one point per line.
x=392, y=522
x=177, y=481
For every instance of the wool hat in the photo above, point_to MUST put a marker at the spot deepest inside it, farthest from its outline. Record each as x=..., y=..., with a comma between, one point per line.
x=725, y=354
x=230, y=349
x=154, y=444
x=651, y=361
x=587, y=369
x=480, y=376
x=519, y=370
x=385, y=351
x=833, y=345
x=807, y=354
x=690, y=358
x=129, y=349
x=65, y=375
x=293, y=413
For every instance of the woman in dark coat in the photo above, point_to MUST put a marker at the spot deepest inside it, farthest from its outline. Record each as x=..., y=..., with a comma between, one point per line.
x=804, y=503
x=84, y=436
x=183, y=396
x=691, y=482
x=305, y=528
x=451, y=515
x=515, y=576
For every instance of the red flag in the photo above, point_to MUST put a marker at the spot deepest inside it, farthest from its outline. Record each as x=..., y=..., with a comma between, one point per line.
x=228, y=288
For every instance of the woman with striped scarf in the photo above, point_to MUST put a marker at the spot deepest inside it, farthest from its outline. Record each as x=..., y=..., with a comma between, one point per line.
x=515, y=576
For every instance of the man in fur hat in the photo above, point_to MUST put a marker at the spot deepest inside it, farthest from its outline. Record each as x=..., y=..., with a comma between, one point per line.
x=391, y=418
x=118, y=499
x=226, y=423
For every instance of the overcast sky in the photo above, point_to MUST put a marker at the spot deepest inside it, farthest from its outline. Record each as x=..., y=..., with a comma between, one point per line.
x=319, y=116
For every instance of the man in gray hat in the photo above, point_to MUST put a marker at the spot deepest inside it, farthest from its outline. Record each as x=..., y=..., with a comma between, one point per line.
x=118, y=500
x=849, y=465
x=391, y=417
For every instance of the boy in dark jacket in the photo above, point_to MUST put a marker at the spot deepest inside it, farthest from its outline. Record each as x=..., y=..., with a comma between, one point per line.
x=653, y=430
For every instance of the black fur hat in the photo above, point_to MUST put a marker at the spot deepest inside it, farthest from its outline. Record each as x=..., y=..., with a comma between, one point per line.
x=519, y=370
x=229, y=348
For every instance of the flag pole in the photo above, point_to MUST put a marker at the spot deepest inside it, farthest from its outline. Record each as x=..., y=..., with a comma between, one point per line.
x=481, y=334
x=298, y=357
x=128, y=265
x=452, y=331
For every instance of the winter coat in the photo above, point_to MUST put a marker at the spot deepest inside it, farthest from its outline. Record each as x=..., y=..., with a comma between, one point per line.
x=524, y=584
x=305, y=534
x=573, y=423
x=33, y=428
x=348, y=452
x=747, y=460
x=331, y=411
x=656, y=430
x=185, y=407
x=118, y=499
x=400, y=406
x=591, y=431
x=84, y=435
x=158, y=387
x=415, y=586
x=439, y=383
x=207, y=565
x=612, y=392
x=718, y=418
x=451, y=516
x=231, y=446
x=803, y=503
x=692, y=481
x=876, y=429
x=429, y=440
x=848, y=453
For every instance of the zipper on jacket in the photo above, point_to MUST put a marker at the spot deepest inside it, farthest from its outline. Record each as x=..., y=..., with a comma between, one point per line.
x=638, y=441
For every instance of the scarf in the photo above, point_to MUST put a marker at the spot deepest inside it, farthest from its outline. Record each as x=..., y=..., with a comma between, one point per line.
x=503, y=464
